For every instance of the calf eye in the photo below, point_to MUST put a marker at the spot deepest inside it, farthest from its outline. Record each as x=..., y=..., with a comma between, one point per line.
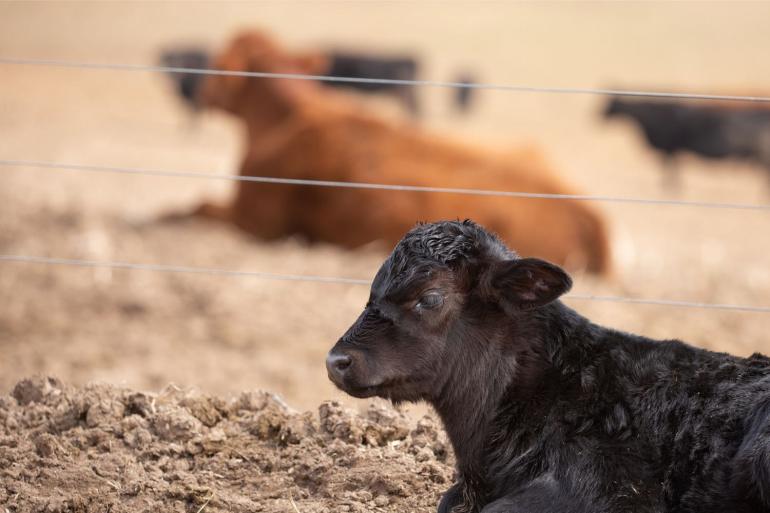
x=430, y=300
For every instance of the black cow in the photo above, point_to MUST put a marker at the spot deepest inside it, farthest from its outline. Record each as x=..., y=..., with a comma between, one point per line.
x=546, y=411
x=337, y=64
x=357, y=65
x=715, y=132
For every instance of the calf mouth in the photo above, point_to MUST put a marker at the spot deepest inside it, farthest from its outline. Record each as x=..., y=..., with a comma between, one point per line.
x=363, y=392
x=359, y=391
x=394, y=390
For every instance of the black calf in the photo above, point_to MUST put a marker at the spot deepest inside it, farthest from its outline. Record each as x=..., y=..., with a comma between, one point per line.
x=546, y=411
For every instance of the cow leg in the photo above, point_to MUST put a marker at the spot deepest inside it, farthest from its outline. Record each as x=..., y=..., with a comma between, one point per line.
x=255, y=207
x=672, y=179
x=764, y=154
x=544, y=495
x=205, y=210
x=766, y=165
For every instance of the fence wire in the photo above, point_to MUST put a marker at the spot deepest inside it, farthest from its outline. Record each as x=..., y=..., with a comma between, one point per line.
x=377, y=186
x=383, y=81
x=358, y=185
x=342, y=280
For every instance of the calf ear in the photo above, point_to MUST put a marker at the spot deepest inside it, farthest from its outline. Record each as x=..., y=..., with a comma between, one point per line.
x=529, y=282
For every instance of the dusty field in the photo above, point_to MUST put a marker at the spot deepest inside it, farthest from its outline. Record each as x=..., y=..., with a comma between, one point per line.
x=100, y=448
x=223, y=336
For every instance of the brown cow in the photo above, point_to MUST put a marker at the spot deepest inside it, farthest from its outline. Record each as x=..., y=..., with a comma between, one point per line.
x=297, y=129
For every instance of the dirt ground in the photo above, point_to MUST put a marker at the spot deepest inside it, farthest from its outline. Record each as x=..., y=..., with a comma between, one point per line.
x=226, y=336
x=100, y=448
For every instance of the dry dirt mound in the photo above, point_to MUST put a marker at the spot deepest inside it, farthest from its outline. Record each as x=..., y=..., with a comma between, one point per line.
x=101, y=448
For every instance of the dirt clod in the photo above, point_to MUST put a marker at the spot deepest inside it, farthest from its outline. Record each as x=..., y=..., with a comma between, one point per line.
x=33, y=390
x=100, y=448
x=46, y=445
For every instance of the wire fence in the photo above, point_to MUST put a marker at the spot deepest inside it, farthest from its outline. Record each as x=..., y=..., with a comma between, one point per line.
x=376, y=186
x=341, y=280
x=31, y=259
x=383, y=81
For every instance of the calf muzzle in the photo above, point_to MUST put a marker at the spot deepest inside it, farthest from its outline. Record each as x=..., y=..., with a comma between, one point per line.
x=337, y=366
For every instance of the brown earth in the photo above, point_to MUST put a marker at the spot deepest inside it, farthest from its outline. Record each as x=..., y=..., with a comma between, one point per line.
x=101, y=448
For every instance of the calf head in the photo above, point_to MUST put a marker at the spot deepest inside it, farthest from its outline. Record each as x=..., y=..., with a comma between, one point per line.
x=254, y=51
x=447, y=293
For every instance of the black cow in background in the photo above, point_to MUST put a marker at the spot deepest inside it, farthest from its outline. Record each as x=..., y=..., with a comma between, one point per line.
x=356, y=65
x=336, y=64
x=711, y=131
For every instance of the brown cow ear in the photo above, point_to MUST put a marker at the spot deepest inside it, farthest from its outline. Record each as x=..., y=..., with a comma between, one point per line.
x=529, y=282
x=312, y=63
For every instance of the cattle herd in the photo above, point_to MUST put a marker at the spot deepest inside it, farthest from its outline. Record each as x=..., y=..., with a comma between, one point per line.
x=305, y=129
x=546, y=411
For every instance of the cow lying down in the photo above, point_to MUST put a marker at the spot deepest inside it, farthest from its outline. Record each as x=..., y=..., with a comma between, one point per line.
x=299, y=130
x=546, y=411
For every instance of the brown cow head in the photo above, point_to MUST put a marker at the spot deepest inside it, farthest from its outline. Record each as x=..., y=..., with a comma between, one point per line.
x=246, y=96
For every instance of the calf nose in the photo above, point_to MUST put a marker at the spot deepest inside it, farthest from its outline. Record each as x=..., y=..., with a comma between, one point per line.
x=337, y=365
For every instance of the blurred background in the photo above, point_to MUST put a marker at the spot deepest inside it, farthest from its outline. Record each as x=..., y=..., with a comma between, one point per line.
x=225, y=334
